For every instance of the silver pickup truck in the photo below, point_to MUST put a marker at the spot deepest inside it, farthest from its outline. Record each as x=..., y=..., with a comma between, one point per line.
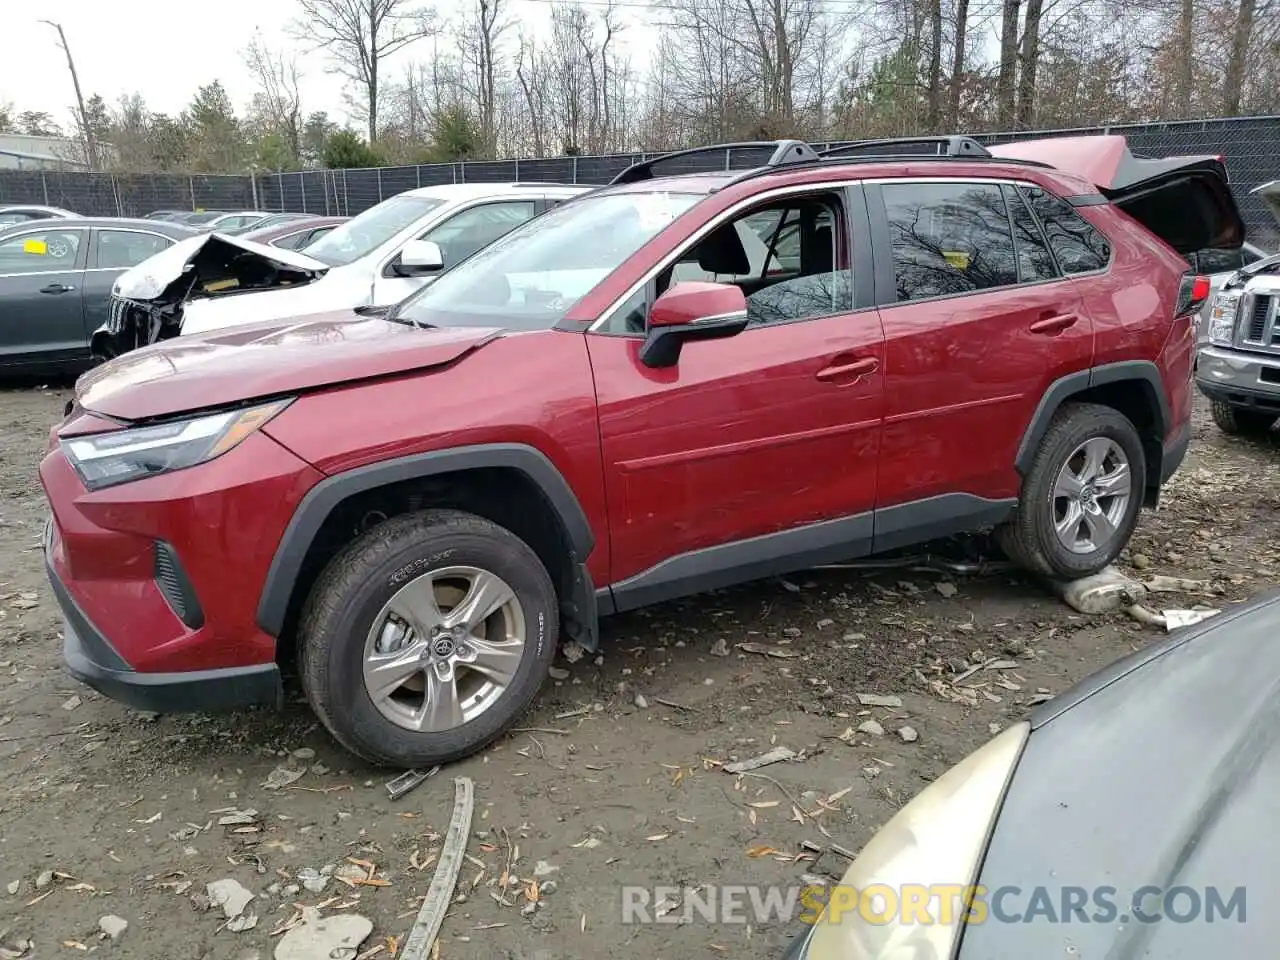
x=1238, y=363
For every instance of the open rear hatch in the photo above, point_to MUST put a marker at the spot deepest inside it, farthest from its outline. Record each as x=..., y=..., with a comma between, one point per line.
x=1186, y=201
x=1269, y=193
x=146, y=300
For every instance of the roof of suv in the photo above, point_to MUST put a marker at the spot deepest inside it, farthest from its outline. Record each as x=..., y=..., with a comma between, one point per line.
x=454, y=192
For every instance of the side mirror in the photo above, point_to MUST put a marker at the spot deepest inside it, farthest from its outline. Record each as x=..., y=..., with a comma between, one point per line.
x=692, y=311
x=419, y=257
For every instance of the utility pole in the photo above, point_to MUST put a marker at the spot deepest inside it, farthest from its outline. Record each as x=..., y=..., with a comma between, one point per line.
x=91, y=148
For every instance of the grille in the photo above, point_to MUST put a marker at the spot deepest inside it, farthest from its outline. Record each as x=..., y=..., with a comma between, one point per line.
x=173, y=583
x=1257, y=319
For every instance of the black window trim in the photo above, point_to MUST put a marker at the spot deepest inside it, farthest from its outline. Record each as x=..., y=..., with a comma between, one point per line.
x=882, y=247
x=852, y=198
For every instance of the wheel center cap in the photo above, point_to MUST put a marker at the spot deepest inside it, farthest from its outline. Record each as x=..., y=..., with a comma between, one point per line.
x=443, y=646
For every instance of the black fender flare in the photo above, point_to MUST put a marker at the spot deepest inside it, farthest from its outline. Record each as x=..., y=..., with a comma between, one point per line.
x=320, y=501
x=1064, y=388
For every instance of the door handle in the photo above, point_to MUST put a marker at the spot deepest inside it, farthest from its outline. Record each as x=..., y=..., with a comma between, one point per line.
x=1055, y=324
x=56, y=288
x=856, y=368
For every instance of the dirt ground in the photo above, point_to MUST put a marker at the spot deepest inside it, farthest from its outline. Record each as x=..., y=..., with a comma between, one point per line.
x=105, y=811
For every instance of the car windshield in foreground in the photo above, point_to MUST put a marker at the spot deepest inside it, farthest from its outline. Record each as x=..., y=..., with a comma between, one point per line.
x=366, y=232
x=529, y=279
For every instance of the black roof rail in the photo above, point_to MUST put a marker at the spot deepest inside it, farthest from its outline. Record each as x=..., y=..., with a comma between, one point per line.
x=950, y=146
x=784, y=152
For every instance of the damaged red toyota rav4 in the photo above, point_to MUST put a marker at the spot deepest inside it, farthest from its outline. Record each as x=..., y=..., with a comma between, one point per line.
x=664, y=386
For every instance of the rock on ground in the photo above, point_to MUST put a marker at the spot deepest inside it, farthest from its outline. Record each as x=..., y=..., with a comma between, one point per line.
x=331, y=938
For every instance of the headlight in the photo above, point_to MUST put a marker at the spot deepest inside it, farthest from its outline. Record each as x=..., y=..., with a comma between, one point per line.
x=917, y=867
x=106, y=459
x=1222, y=318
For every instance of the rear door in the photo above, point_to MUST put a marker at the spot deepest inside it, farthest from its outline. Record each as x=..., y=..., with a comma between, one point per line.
x=978, y=321
x=111, y=253
x=41, y=295
x=459, y=236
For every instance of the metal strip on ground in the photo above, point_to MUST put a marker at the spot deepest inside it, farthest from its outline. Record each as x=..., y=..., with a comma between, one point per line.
x=426, y=927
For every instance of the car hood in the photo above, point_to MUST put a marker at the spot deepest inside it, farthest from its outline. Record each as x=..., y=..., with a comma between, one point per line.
x=1161, y=770
x=267, y=359
x=1186, y=201
x=1269, y=193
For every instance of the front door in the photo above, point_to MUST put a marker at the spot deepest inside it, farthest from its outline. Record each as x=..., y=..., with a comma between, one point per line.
x=41, y=296
x=753, y=454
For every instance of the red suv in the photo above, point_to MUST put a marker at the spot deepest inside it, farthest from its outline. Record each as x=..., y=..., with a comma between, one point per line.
x=664, y=386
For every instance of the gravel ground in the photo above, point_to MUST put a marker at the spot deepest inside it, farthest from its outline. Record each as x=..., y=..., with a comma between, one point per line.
x=105, y=812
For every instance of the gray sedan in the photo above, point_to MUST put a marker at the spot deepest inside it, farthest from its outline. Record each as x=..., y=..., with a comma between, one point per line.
x=55, y=285
x=1131, y=816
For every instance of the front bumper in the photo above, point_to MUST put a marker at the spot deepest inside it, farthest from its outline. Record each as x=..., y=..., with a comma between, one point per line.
x=92, y=660
x=1239, y=378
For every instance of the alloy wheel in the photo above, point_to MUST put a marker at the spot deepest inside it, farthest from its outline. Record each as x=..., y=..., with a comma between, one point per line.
x=1091, y=495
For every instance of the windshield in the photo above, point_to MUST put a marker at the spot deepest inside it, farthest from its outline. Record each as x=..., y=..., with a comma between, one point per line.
x=365, y=233
x=529, y=279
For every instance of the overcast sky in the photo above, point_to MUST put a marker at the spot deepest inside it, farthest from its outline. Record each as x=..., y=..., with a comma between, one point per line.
x=165, y=50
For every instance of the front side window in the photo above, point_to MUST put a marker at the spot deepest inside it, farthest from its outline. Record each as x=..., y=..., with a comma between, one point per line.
x=531, y=277
x=40, y=252
x=949, y=238
x=788, y=258
x=1077, y=245
x=364, y=233
x=120, y=249
x=466, y=232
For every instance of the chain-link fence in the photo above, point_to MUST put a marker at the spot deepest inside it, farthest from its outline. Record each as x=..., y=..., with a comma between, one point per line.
x=1250, y=144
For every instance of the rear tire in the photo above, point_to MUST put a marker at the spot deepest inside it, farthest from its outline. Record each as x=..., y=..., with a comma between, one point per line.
x=390, y=674
x=1239, y=421
x=1080, y=499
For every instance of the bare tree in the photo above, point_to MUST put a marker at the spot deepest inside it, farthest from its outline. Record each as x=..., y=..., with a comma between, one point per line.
x=957, y=64
x=1006, y=86
x=359, y=35
x=278, y=100
x=1241, y=35
x=82, y=118
x=480, y=39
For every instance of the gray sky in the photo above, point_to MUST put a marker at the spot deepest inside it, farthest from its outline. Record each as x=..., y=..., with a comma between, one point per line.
x=164, y=51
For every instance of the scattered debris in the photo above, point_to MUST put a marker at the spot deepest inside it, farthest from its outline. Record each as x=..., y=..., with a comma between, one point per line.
x=71, y=703
x=304, y=753
x=544, y=869
x=908, y=734
x=427, y=925
x=281, y=777
x=572, y=651
x=1107, y=591
x=329, y=938
x=44, y=879
x=409, y=780
x=112, y=927
x=946, y=589
x=230, y=895
x=238, y=818
x=557, y=673
x=871, y=728
x=1170, y=619
x=782, y=653
x=14, y=887
x=312, y=880
x=640, y=701
x=246, y=921
x=720, y=648
x=776, y=755
x=877, y=700
x=1160, y=584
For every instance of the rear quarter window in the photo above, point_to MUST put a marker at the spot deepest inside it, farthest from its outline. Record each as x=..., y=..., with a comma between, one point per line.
x=1077, y=245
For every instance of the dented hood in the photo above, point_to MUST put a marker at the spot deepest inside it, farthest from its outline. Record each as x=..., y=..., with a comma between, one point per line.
x=268, y=359
x=211, y=258
x=1186, y=201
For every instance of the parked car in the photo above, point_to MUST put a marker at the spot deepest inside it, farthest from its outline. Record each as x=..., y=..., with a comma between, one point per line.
x=1238, y=358
x=12, y=215
x=177, y=215
x=272, y=220
x=1121, y=808
x=294, y=234
x=1218, y=265
x=226, y=222
x=372, y=260
x=55, y=284
x=422, y=503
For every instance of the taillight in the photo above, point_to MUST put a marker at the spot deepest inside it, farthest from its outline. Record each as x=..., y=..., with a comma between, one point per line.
x=1193, y=294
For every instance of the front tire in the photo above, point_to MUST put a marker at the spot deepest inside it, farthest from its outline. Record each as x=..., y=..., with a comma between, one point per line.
x=427, y=637
x=1080, y=499
x=1238, y=421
